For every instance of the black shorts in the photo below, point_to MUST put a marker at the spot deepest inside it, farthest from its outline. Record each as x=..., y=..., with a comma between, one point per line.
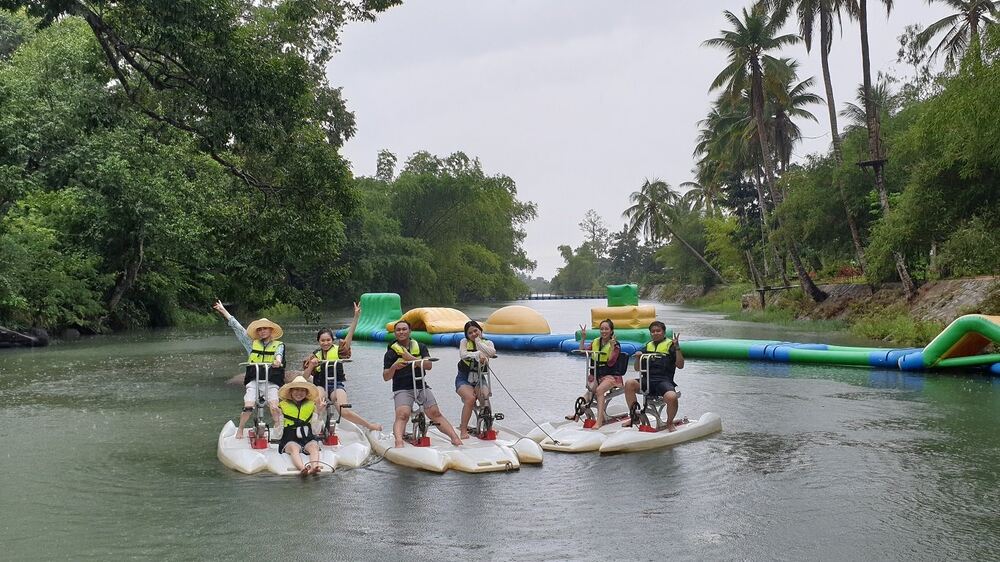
x=286, y=439
x=659, y=388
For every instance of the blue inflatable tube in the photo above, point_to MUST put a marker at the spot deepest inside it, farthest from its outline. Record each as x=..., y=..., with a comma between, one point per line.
x=995, y=369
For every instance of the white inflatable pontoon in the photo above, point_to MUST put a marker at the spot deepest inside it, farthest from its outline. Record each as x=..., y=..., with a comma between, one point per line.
x=475, y=455
x=628, y=439
x=237, y=454
x=572, y=437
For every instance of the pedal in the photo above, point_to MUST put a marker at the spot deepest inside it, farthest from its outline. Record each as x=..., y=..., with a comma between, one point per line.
x=498, y=416
x=342, y=406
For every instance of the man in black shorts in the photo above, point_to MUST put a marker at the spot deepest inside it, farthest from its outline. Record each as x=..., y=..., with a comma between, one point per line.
x=661, y=370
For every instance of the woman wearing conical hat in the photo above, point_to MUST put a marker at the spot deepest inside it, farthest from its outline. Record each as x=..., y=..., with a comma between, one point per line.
x=261, y=339
x=298, y=405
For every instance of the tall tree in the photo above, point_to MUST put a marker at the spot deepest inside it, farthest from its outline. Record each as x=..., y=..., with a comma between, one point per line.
x=875, y=153
x=595, y=232
x=826, y=11
x=651, y=213
x=749, y=43
x=961, y=29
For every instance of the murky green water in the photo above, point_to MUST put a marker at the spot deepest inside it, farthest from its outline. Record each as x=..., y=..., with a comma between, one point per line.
x=109, y=453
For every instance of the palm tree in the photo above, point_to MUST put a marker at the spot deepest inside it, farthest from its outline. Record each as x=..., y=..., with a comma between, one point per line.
x=651, y=213
x=963, y=28
x=786, y=99
x=807, y=12
x=703, y=196
x=876, y=155
x=886, y=104
x=748, y=43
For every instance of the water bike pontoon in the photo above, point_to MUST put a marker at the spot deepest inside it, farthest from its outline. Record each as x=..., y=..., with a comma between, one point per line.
x=649, y=427
x=258, y=450
x=579, y=435
x=429, y=449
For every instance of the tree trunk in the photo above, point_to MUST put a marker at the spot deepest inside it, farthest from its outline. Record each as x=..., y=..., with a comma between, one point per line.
x=696, y=254
x=831, y=105
x=127, y=279
x=875, y=145
x=767, y=253
x=757, y=95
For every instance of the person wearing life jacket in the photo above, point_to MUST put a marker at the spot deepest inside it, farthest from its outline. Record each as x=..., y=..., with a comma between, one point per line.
x=329, y=350
x=261, y=339
x=396, y=367
x=661, y=370
x=473, y=348
x=298, y=405
x=608, y=372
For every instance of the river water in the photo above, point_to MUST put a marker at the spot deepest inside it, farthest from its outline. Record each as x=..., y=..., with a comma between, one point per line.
x=109, y=453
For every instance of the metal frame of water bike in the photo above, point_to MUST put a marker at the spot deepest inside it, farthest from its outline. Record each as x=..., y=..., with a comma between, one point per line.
x=482, y=408
x=582, y=406
x=652, y=405
x=333, y=413
x=261, y=434
x=418, y=437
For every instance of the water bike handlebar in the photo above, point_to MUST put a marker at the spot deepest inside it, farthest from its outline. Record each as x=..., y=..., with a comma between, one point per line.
x=328, y=361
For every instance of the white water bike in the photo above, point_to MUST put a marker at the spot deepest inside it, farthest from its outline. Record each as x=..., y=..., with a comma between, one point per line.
x=259, y=452
x=649, y=428
x=580, y=434
x=425, y=447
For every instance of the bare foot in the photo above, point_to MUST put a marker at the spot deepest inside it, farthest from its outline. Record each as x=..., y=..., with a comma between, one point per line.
x=456, y=442
x=304, y=471
x=399, y=444
x=464, y=435
x=671, y=428
x=316, y=467
x=375, y=427
x=239, y=433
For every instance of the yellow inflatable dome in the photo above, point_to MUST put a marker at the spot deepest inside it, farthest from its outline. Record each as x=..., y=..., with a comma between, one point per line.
x=516, y=320
x=623, y=316
x=433, y=320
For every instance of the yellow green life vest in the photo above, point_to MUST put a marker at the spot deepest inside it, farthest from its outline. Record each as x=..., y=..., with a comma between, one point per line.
x=414, y=350
x=297, y=415
x=605, y=352
x=260, y=353
x=662, y=347
x=332, y=355
x=470, y=346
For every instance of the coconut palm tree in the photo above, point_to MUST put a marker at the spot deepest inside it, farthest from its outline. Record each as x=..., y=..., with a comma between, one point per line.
x=827, y=12
x=748, y=43
x=886, y=104
x=961, y=29
x=787, y=99
x=875, y=152
x=705, y=197
x=651, y=213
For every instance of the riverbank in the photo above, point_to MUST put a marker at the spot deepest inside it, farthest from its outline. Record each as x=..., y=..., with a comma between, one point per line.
x=883, y=314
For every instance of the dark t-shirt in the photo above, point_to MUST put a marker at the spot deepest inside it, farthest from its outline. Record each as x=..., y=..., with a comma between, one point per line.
x=403, y=379
x=663, y=367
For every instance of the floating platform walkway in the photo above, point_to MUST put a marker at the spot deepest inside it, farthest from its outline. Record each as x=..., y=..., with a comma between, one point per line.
x=968, y=342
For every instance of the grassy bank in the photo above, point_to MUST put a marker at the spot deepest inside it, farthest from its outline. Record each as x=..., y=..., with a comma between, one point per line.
x=891, y=324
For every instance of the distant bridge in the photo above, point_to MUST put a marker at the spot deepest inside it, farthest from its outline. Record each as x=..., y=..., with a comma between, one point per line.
x=562, y=296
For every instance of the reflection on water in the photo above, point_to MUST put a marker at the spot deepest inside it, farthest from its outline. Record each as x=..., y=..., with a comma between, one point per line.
x=109, y=452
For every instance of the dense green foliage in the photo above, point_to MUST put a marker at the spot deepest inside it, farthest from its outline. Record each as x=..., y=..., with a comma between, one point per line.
x=133, y=194
x=941, y=136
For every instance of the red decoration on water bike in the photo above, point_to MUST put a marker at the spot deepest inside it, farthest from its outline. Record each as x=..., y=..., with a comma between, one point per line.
x=422, y=442
x=589, y=424
x=331, y=439
x=647, y=429
x=257, y=442
x=490, y=435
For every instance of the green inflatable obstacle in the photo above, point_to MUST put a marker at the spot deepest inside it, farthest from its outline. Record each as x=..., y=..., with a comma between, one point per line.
x=623, y=295
x=377, y=309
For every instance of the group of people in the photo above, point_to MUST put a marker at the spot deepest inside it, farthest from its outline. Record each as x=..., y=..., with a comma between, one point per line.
x=610, y=366
x=296, y=401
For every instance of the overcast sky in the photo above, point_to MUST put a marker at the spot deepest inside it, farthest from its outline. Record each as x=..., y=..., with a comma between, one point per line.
x=577, y=100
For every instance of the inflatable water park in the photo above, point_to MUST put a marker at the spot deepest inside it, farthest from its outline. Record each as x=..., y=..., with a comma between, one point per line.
x=965, y=344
